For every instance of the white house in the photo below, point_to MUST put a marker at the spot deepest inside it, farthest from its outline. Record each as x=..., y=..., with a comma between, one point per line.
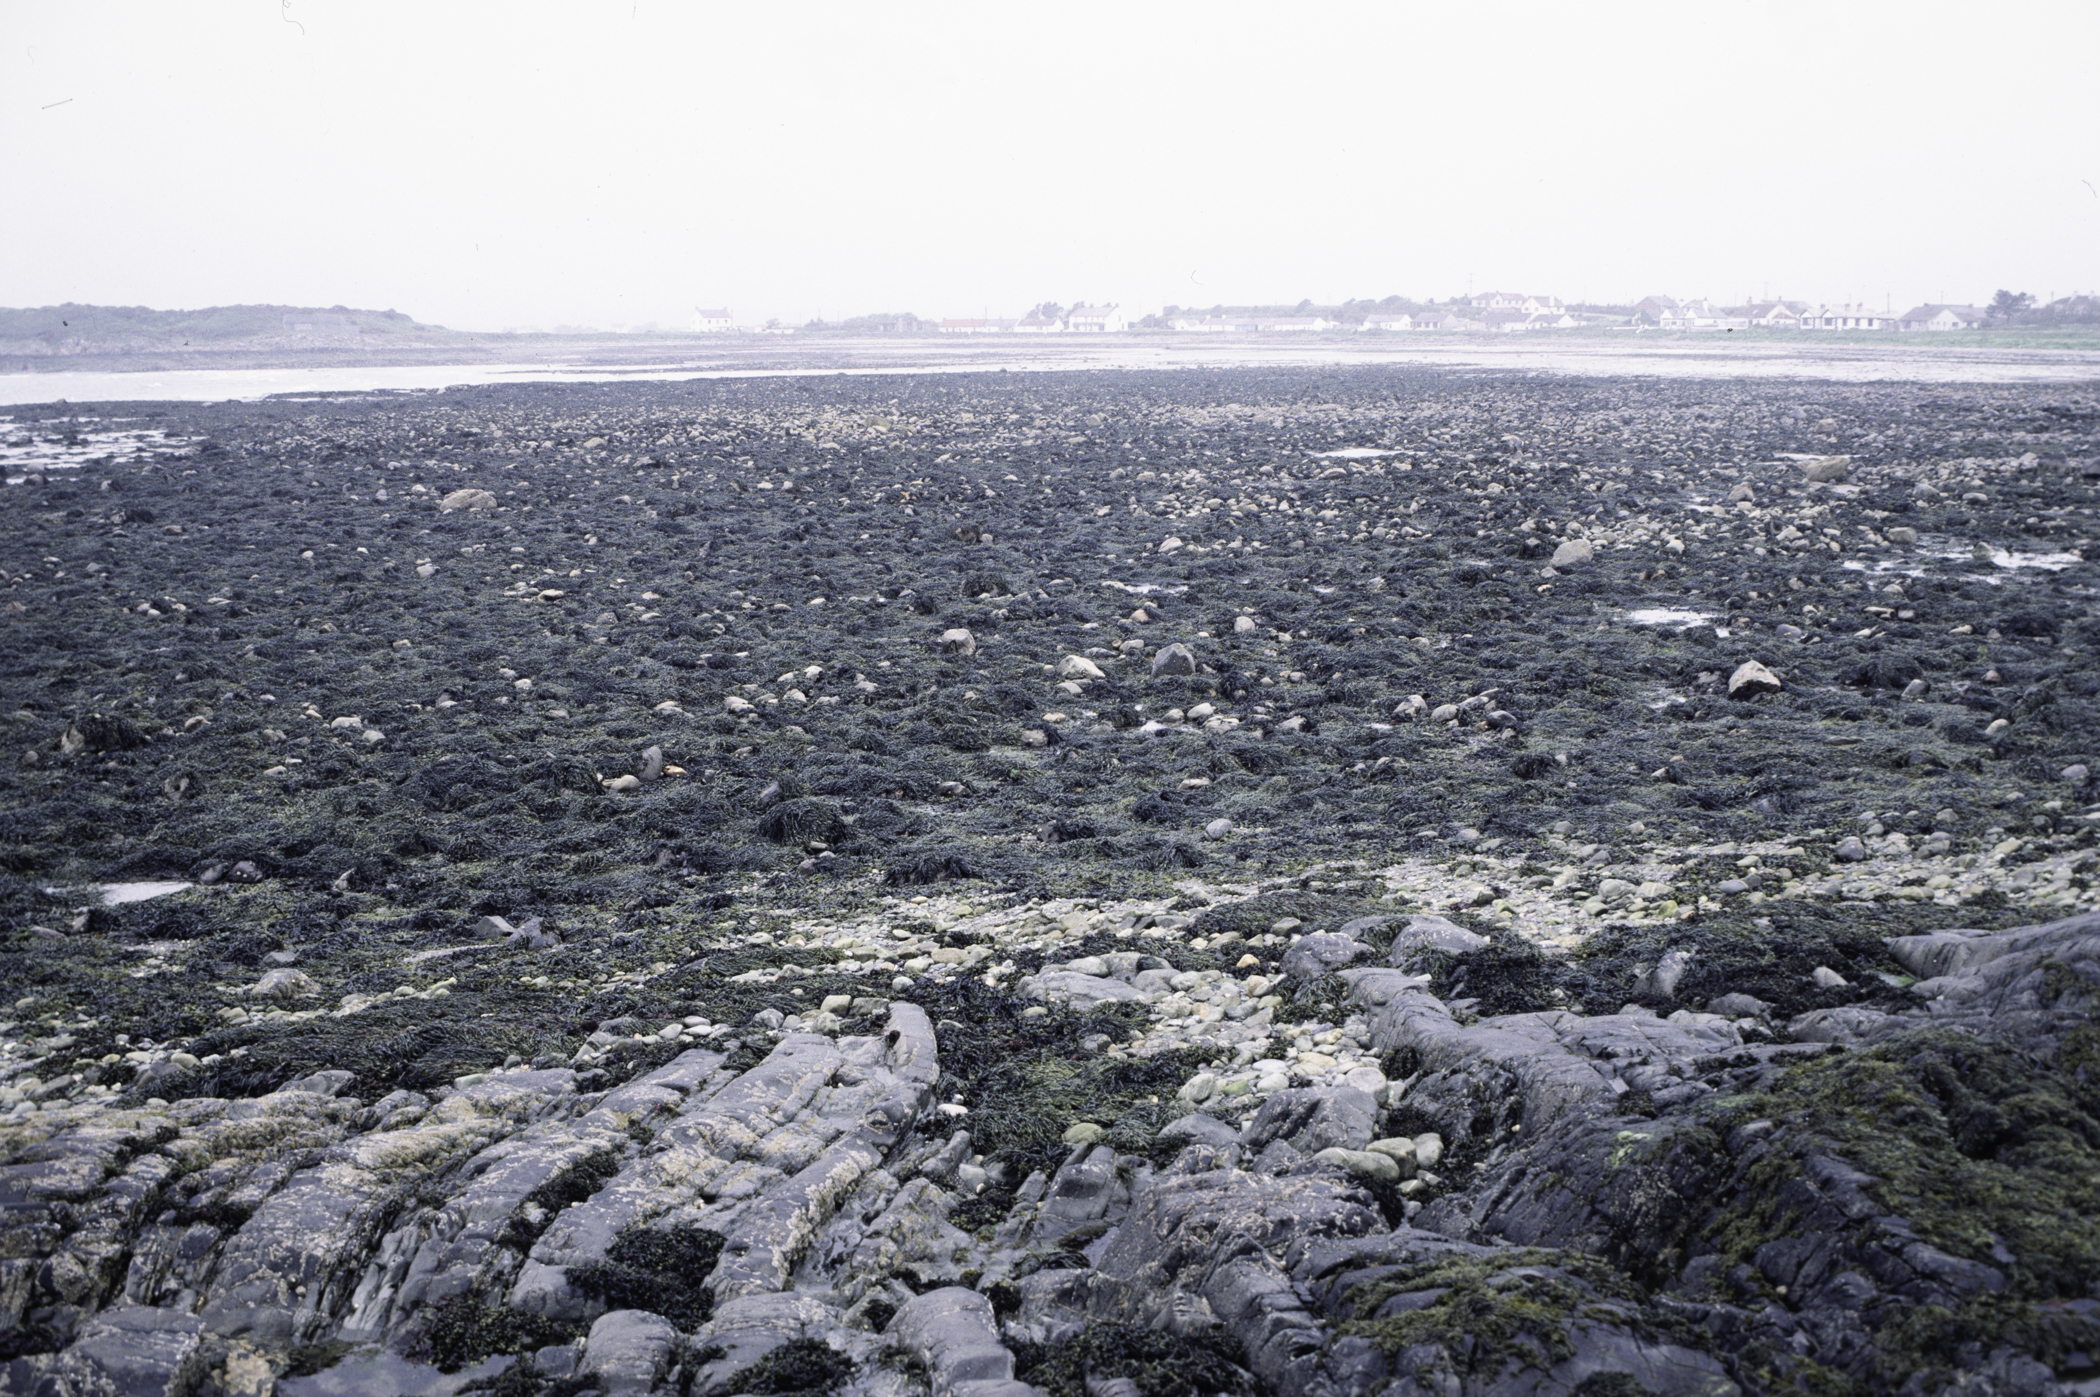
x=1699, y=315
x=1845, y=318
x=1085, y=319
x=1389, y=320
x=1517, y=301
x=976, y=327
x=1940, y=318
x=1446, y=320
x=712, y=322
x=1768, y=315
x=1039, y=325
x=1272, y=324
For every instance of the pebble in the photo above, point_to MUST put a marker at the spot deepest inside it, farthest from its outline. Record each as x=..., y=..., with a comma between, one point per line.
x=1218, y=828
x=1079, y=667
x=1574, y=553
x=1828, y=979
x=2074, y=774
x=958, y=641
x=467, y=499
x=1244, y=625
x=1850, y=849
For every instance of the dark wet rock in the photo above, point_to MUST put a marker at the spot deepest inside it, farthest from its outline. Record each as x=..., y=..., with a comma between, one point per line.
x=953, y=1332
x=628, y=1351
x=1428, y=932
x=1311, y=1119
x=1173, y=659
x=1197, y=1129
x=1321, y=953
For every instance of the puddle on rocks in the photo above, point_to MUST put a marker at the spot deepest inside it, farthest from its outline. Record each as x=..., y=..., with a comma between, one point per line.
x=117, y=894
x=39, y=447
x=1671, y=616
x=2004, y=560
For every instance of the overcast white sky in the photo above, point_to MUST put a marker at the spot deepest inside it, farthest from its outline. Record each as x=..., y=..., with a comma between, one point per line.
x=490, y=166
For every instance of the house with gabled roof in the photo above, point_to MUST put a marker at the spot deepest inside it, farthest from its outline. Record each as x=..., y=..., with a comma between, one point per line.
x=1936, y=317
x=1085, y=319
x=1846, y=318
x=712, y=322
x=1766, y=315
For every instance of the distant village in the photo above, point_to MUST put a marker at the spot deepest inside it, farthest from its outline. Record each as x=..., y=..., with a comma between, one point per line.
x=1504, y=312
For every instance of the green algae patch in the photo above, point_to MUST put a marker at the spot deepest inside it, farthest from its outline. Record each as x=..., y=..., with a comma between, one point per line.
x=1990, y=1155
x=1488, y=1312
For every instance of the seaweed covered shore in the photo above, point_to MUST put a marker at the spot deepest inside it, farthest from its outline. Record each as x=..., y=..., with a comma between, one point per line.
x=1318, y=881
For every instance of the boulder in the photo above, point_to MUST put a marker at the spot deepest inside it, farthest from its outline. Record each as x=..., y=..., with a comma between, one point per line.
x=1428, y=932
x=1078, y=667
x=1319, y=953
x=1367, y=1164
x=1079, y=991
x=1311, y=1119
x=1197, y=1129
x=954, y=1333
x=1174, y=659
x=628, y=1350
x=1751, y=679
x=284, y=984
x=467, y=499
x=1573, y=553
x=958, y=641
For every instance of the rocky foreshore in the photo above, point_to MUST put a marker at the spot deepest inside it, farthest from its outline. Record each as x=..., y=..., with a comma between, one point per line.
x=1317, y=883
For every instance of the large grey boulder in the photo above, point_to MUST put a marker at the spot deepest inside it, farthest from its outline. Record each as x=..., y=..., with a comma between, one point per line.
x=954, y=1333
x=1197, y=1129
x=1534, y=1069
x=749, y=1327
x=1174, y=659
x=628, y=1351
x=1202, y=1248
x=1428, y=932
x=1319, y=953
x=130, y=1351
x=1311, y=1119
x=1069, y=987
x=1936, y=953
x=783, y=1145
x=1376, y=985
